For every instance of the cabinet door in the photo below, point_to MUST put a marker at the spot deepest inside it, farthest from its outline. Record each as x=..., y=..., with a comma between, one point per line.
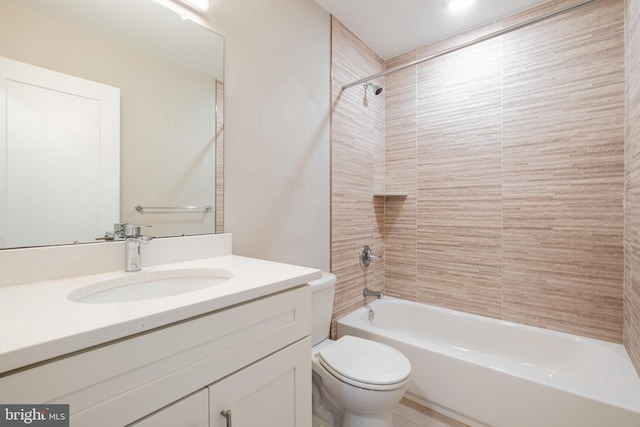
x=273, y=392
x=192, y=411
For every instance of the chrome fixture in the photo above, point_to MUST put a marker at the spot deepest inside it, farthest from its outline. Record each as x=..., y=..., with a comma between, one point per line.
x=366, y=256
x=366, y=292
x=172, y=209
x=132, y=245
x=117, y=234
x=471, y=42
x=371, y=315
x=377, y=89
x=227, y=415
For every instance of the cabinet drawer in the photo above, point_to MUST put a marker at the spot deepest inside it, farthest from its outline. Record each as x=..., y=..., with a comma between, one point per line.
x=192, y=411
x=119, y=383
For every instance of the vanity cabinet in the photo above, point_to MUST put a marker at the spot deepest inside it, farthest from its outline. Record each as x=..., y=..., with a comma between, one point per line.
x=265, y=393
x=252, y=358
x=262, y=394
x=191, y=411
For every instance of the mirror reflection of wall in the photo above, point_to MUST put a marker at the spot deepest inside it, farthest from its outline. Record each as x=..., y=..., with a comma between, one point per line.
x=61, y=151
x=168, y=103
x=219, y=157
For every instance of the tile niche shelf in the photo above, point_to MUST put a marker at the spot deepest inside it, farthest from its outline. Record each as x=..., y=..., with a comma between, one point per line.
x=398, y=194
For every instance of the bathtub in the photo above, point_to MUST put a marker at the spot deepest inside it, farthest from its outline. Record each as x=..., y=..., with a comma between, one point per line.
x=488, y=372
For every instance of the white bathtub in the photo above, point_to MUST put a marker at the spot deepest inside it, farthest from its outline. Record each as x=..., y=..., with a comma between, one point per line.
x=487, y=372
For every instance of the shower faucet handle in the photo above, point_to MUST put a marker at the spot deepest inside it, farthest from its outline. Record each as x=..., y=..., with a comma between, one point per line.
x=366, y=256
x=373, y=257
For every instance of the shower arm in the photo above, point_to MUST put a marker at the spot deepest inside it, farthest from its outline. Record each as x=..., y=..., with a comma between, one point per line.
x=471, y=42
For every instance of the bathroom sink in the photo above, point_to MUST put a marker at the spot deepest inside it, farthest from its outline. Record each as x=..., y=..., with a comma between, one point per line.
x=149, y=285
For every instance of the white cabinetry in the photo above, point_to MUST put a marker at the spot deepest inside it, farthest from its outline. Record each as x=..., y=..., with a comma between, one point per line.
x=125, y=381
x=266, y=393
x=192, y=411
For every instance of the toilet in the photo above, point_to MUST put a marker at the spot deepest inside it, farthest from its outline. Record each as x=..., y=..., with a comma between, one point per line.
x=356, y=382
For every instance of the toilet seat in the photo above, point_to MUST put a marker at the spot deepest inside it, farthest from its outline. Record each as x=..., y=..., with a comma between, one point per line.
x=365, y=364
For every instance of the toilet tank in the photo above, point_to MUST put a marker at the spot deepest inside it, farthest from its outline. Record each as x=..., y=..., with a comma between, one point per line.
x=322, y=291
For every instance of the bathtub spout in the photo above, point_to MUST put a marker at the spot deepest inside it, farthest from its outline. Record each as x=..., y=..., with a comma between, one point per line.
x=369, y=293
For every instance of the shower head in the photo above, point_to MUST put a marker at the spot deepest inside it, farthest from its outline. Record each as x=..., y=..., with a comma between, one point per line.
x=377, y=89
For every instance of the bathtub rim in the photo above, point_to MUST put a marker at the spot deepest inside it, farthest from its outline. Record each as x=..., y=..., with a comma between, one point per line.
x=355, y=318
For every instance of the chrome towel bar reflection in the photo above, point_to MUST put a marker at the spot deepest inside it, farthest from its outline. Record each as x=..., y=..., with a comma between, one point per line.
x=173, y=209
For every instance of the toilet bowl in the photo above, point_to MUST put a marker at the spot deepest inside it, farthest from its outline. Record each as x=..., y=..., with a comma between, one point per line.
x=356, y=382
x=364, y=378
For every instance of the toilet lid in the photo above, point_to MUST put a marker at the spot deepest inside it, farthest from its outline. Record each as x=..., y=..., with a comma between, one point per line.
x=365, y=363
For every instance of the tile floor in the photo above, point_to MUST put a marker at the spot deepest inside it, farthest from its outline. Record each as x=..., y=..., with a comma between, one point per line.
x=409, y=414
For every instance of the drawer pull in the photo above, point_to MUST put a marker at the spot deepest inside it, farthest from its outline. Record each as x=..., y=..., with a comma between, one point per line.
x=227, y=415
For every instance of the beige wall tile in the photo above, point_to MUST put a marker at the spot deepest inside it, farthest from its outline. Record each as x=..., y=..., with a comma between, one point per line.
x=459, y=213
x=632, y=183
x=357, y=145
x=563, y=172
x=512, y=155
x=401, y=274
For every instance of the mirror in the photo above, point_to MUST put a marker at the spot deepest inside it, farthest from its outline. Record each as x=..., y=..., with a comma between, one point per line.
x=169, y=72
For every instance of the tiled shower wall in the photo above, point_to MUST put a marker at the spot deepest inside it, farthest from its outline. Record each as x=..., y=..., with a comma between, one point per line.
x=357, y=163
x=632, y=193
x=515, y=169
x=512, y=154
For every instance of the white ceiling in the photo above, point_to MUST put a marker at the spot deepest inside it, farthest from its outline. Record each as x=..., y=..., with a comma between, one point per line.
x=392, y=27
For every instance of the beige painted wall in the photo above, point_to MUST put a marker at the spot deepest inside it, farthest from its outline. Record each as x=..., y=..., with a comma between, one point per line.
x=277, y=165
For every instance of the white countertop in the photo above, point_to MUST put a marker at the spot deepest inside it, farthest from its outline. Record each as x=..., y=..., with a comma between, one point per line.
x=38, y=322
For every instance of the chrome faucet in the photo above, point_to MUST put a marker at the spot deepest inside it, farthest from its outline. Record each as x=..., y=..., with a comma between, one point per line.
x=117, y=233
x=132, y=243
x=366, y=256
x=369, y=293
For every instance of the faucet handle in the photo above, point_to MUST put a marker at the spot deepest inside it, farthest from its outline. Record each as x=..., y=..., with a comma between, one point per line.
x=133, y=230
x=117, y=234
x=366, y=256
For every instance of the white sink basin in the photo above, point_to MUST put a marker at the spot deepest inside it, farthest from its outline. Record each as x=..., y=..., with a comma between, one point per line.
x=149, y=285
